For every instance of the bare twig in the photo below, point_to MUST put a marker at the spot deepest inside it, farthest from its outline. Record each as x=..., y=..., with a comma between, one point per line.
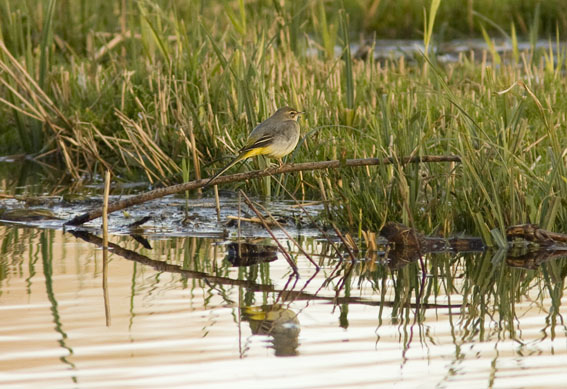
x=157, y=193
x=299, y=247
x=267, y=228
x=250, y=220
x=105, y=248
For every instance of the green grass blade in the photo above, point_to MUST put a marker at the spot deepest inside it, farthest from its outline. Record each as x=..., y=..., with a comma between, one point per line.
x=46, y=40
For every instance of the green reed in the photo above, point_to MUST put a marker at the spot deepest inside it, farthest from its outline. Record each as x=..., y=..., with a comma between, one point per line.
x=188, y=80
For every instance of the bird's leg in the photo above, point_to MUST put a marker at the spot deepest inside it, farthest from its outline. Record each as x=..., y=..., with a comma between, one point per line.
x=272, y=165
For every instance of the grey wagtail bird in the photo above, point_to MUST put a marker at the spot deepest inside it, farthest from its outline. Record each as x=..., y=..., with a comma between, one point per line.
x=275, y=137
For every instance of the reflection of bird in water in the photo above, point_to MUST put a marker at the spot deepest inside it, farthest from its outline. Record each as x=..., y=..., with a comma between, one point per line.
x=279, y=323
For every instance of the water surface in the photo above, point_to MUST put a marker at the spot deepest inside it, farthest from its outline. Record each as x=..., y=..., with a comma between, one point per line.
x=181, y=315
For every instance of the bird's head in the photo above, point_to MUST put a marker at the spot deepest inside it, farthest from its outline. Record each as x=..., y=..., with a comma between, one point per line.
x=287, y=113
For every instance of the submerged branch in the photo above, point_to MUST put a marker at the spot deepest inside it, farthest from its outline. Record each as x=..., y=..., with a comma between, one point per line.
x=532, y=233
x=297, y=167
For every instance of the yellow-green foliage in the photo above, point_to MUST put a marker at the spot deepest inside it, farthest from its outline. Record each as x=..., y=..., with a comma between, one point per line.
x=141, y=89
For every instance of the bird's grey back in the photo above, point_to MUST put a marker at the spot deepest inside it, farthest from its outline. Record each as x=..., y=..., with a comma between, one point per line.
x=271, y=126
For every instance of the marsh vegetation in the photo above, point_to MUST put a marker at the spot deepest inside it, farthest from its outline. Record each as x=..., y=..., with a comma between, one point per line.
x=166, y=91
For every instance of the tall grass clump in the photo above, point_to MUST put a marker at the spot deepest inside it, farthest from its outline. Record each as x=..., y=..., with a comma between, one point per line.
x=154, y=88
x=458, y=19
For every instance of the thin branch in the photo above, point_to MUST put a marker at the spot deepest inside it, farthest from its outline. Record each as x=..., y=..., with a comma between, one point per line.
x=307, y=166
x=288, y=257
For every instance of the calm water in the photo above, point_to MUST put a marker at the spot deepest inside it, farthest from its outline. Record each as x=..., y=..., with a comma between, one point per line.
x=180, y=315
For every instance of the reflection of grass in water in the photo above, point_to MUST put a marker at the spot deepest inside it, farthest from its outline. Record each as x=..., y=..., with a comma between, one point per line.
x=26, y=177
x=9, y=238
x=488, y=288
x=32, y=258
x=45, y=241
x=132, y=295
x=14, y=244
x=554, y=283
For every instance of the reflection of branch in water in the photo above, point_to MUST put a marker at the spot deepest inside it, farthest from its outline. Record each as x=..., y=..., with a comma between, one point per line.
x=287, y=295
x=531, y=260
x=143, y=241
x=105, y=285
x=164, y=266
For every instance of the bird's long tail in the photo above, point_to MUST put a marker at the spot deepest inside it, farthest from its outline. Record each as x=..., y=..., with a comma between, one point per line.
x=243, y=155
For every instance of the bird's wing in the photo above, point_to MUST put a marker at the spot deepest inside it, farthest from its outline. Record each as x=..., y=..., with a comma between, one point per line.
x=262, y=141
